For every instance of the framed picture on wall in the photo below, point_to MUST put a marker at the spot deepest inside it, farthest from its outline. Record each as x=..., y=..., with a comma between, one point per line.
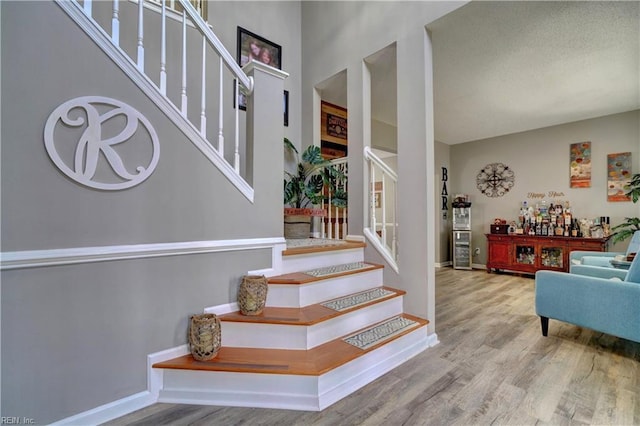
x=286, y=108
x=241, y=101
x=333, y=130
x=253, y=47
x=239, y=98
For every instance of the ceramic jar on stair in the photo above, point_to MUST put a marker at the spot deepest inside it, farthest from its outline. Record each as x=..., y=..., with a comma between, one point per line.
x=204, y=336
x=252, y=294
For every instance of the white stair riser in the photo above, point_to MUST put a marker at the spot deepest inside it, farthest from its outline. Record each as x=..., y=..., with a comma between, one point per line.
x=306, y=262
x=301, y=295
x=284, y=391
x=240, y=389
x=280, y=336
x=346, y=379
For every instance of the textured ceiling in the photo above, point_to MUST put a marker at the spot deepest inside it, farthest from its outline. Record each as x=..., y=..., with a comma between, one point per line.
x=507, y=67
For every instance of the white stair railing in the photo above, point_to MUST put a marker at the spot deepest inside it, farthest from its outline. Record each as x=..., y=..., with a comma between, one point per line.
x=335, y=224
x=211, y=45
x=382, y=225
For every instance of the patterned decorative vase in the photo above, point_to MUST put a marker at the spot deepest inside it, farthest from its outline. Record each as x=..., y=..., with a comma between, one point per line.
x=252, y=294
x=204, y=336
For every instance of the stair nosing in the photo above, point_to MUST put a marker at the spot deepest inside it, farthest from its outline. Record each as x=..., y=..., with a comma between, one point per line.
x=301, y=278
x=323, y=248
x=330, y=313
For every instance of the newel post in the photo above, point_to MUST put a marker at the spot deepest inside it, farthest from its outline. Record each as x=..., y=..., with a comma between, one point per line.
x=265, y=132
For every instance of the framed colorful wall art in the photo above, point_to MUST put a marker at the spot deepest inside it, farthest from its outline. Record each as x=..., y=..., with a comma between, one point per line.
x=618, y=175
x=580, y=156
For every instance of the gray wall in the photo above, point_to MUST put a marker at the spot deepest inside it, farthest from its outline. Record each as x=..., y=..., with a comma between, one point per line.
x=76, y=337
x=540, y=160
x=443, y=224
x=384, y=136
x=357, y=31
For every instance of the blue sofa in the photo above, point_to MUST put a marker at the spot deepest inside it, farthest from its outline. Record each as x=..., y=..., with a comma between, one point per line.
x=608, y=305
x=598, y=264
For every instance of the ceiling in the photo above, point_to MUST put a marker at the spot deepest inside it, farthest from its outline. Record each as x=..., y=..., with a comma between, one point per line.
x=508, y=67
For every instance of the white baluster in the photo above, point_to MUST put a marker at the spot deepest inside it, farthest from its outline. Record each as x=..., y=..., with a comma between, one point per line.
x=345, y=224
x=88, y=7
x=184, y=64
x=221, y=108
x=203, y=105
x=236, y=155
x=384, y=211
x=323, y=224
x=163, y=50
x=329, y=224
x=140, y=35
x=372, y=196
x=394, y=242
x=236, y=152
x=115, y=23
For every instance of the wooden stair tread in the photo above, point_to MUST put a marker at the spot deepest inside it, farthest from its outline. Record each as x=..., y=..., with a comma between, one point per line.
x=312, y=362
x=305, y=316
x=297, y=278
x=338, y=245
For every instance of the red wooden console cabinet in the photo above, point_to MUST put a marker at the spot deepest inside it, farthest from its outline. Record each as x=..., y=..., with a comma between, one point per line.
x=527, y=254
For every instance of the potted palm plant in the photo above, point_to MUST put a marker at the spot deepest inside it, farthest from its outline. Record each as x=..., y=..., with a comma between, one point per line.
x=631, y=224
x=306, y=188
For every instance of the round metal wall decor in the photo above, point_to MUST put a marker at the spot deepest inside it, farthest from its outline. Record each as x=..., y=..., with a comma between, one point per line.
x=495, y=180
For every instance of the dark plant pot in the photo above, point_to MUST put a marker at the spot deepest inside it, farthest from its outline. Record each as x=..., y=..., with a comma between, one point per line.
x=204, y=336
x=252, y=294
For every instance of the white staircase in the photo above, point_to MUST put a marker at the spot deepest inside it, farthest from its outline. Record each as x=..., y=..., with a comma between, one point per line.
x=297, y=354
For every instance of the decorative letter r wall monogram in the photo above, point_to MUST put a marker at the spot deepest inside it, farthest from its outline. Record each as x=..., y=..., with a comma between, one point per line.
x=95, y=125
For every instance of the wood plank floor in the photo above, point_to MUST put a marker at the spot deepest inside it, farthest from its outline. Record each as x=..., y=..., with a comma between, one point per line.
x=492, y=366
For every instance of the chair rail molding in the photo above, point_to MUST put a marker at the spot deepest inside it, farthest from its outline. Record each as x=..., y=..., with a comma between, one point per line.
x=76, y=255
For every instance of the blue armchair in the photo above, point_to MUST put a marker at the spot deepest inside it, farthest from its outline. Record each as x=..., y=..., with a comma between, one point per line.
x=598, y=264
x=610, y=306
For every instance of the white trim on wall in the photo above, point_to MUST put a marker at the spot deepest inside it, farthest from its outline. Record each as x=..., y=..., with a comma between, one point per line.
x=75, y=255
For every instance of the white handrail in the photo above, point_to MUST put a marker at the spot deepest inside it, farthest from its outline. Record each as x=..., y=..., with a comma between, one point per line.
x=388, y=206
x=217, y=45
x=369, y=155
x=81, y=13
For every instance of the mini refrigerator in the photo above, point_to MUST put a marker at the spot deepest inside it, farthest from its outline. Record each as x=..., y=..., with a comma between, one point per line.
x=462, y=254
x=462, y=250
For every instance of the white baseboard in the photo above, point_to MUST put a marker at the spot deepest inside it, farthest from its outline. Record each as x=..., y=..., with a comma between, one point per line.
x=129, y=404
x=432, y=340
x=110, y=411
x=443, y=264
x=222, y=309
